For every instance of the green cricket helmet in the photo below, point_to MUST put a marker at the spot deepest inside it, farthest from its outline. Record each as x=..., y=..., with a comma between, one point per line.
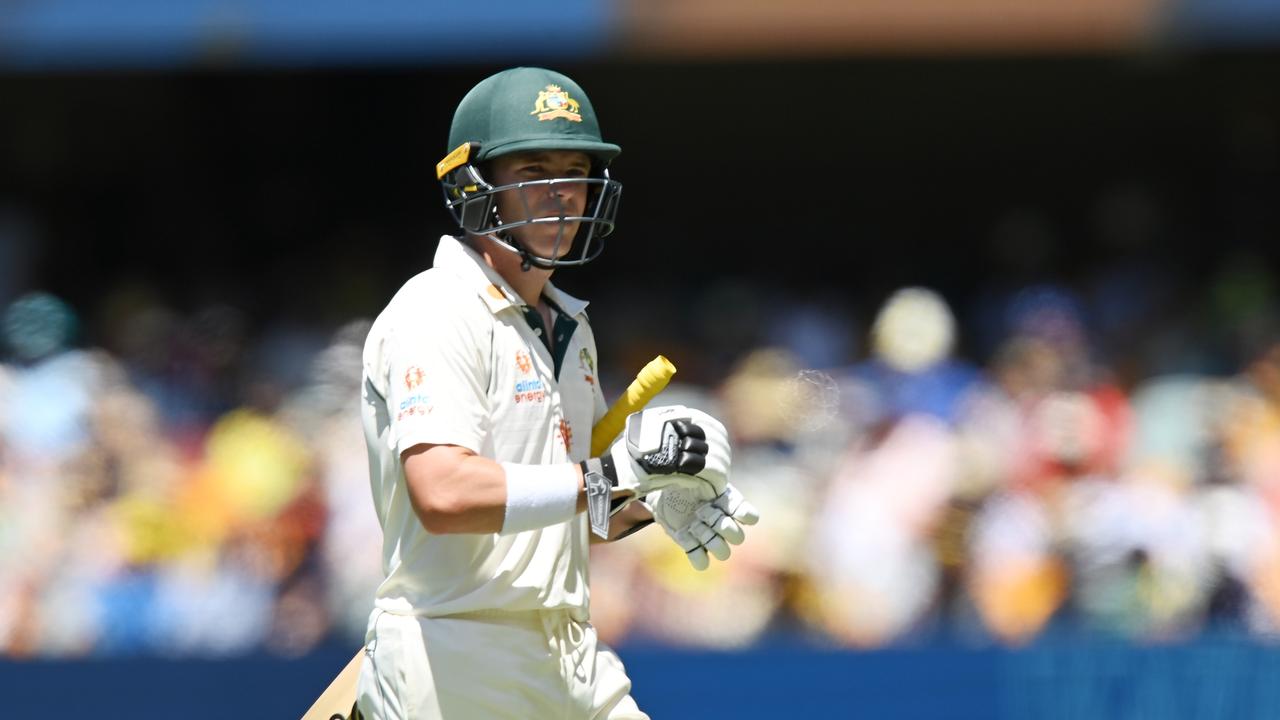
x=528, y=109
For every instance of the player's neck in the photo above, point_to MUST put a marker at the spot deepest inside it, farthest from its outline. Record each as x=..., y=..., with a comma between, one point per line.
x=528, y=284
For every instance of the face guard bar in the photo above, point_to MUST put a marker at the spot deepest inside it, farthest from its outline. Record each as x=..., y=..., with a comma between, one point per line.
x=473, y=203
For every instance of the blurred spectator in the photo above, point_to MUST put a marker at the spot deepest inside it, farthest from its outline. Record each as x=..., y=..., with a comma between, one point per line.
x=199, y=487
x=871, y=555
x=50, y=386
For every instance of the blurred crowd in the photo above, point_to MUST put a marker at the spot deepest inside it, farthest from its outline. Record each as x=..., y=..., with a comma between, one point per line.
x=1105, y=469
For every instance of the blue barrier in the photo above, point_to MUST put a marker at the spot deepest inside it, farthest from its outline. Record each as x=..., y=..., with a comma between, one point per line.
x=1225, y=23
x=1209, y=679
x=168, y=33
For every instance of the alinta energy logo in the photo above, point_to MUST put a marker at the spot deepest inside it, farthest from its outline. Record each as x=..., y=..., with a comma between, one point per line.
x=523, y=362
x=418, y=405
x=530, y=391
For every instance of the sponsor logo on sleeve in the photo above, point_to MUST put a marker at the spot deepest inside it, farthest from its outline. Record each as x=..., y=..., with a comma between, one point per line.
x=413, y=377
x=417, y=405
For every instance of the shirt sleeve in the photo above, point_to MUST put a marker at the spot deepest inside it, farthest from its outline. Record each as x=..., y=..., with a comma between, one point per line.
x=437, y=379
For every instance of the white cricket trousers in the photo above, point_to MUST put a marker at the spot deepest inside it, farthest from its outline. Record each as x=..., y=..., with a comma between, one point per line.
x=536, y=665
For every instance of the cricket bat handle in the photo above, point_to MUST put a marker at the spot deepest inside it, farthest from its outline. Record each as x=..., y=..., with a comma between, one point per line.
x=648, y=383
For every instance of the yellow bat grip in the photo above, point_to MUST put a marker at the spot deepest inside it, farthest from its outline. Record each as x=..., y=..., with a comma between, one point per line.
x=651, y=380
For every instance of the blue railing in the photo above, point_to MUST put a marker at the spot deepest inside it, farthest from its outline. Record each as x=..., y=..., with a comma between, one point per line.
x=1214, y=678
x=39, y=34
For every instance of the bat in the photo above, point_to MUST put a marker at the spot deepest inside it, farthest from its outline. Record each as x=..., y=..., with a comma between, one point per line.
x=648, y=383
x=338, y=701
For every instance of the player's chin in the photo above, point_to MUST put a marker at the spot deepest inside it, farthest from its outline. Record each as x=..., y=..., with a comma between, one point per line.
x=546, y=240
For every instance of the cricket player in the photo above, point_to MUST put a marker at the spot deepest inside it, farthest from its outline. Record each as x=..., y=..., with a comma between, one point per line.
x=480, y=392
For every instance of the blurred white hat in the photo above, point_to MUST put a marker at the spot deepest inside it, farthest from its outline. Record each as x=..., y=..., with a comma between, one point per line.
x=913, y=330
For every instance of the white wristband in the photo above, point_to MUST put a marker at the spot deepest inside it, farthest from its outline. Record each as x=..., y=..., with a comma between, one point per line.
x=539, y=495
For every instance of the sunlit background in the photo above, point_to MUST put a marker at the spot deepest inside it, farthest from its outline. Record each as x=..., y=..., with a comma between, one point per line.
x=986, y=292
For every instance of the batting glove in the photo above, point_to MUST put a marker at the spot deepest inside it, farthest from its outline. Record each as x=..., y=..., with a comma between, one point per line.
x=701, y=527
x=667, y=446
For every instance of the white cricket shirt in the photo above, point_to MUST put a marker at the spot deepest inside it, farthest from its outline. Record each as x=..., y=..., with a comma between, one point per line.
x=454, y=360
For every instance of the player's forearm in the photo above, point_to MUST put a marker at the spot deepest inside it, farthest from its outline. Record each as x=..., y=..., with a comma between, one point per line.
x=453, y=490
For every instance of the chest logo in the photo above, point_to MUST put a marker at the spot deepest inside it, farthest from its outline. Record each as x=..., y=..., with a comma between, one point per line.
x=587, y=365
x=566, y=434
x=523, y=362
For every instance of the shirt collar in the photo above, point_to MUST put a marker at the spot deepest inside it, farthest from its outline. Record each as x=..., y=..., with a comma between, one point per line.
x=567, y=303
x=458, y=258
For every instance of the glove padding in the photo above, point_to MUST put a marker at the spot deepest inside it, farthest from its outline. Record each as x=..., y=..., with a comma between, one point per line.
x=670, y=446
x=701, y=526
